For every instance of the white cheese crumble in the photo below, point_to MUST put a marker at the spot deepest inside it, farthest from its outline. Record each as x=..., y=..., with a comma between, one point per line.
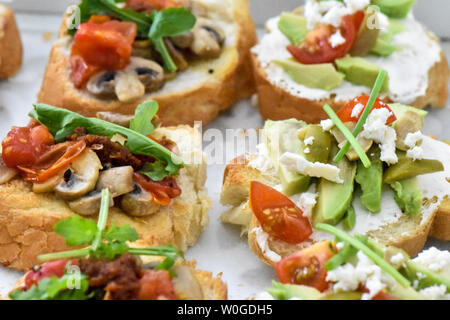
x=262, y=240
x=356, y=111
x=309, y=141
x=307, y=150
x=376, y=129
x=435, y=292
x=262, y=161
x=412, y=141
x=349, y=277
x=415, y=153
x=397, y=258
x=434, y=259
x=327, y=124
x=306, y=201
x=298, y=163
x=264, y=296
x=337, y=39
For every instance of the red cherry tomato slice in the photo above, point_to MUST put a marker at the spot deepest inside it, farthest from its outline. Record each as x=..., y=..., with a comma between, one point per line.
x=307, y=267
x=345, y=114
x=317, y=47
x=278, y=215
x=162, y=191
x=156, y=285
x=48, y=269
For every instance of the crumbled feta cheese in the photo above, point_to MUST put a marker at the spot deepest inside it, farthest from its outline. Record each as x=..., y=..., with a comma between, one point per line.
x=357, y=109
x=336, y=39
x=398, y=258
x=307, y=201
x=349, y=277
x=413, y=139
x=327, y=124
x=264, y=296
x=436, y=292
x=376, y=129
x=435, y=259
x=340, y=245
x=262, y=240
x=415, y=153
x=262, y=161
x=309, y=141
x=296, y=162
x=307, y=150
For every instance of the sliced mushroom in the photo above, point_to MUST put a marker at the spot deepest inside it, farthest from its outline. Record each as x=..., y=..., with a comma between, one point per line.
x=128, y=86
x=49, y=185
x=176, y=55
x=102, y=84
x=117, y=118
x=184, y=40
x=139, y=203
x=81, y=177
x=186, y=283
x=208, y=39
x=89, y=204
x=150, y=73
x=118, y=180
x=6, y=174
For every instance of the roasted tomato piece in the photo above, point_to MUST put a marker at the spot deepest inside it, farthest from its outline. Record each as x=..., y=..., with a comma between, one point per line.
x=156, y=285
x=278, y=215
x=307, y=267
x=48, y=269
x=23, y=145
x=105, y=46
x=317, y=47
x=345, y=114
x=146, y=5
x=162, y=191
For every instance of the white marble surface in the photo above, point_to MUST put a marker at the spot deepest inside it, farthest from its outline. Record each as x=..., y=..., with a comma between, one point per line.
x=220, y=248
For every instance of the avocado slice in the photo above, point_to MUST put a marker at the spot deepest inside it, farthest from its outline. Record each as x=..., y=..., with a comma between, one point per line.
x=371, y=181
x=383, y=46
x=293, y=26
x=409, y=120
x=366, y=38
x=360, y=71
x=407, y=168
x=281, y=137
x=408, y=195
x=394, y=8
x=281, y=291
x=334, y=198
x=321, y=76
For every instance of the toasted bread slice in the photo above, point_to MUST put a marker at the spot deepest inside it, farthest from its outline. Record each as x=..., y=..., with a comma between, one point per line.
x=213, y=288
x=10, y=44
x=407, y=233
x=276, y=102
x=198, y=93
x=27, y=218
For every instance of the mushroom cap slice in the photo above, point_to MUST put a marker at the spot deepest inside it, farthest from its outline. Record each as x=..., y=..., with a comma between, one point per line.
x=118, y=180
x=81, y=177
x=49, y=185
x=6, y=174
x=89, y=204
x=139, y=203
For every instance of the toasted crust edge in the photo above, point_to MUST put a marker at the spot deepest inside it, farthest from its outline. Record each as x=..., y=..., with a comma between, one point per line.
x=201, y=103
x=10, y=44
x=275, y=103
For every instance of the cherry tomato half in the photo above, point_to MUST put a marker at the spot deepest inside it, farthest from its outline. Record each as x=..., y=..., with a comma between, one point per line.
x=46, y=270
x=307, y=267
x=156, y=285
x=345, y=114
x=278, y=215
x=317, y=47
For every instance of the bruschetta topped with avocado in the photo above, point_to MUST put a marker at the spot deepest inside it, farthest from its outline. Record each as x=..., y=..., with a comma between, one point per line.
x=57, y=165
x=367, y=169
x=108, y=269
x=332, y=51
x=360, y=268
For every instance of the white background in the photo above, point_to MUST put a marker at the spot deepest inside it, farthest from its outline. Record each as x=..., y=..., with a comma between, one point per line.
x=220, y=248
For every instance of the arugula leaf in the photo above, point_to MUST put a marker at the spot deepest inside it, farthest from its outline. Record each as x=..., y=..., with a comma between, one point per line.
x=62, y=123
x=155, y=171
x=169, y=23
x=76, y=230
x=142, y=120
x=122, y=233
x=54, y=288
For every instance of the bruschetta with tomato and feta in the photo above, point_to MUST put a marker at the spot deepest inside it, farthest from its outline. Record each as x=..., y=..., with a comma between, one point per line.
x=108, y=269
x=360, y=268
x=367, y=169
x=331, y=51
x=57, y=165
x=10, y=44
x=191, y=56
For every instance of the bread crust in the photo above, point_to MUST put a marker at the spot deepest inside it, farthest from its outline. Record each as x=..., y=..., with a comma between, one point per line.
x=27, y=218
x=409, y=234
x=230, y=81
x=10, y=44
x=276, y=103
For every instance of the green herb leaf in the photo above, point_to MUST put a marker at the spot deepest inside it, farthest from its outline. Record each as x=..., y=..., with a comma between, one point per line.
x=142, y=120
x=76, y=230
x=62, y=123
x=155, y=171
x=122, y=233
x=343, y=256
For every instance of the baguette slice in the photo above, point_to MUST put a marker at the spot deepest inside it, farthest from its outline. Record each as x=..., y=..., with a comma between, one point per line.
x=407, y=233
x=213, y=287
x=197, y=94
x=27, y=218
x=10, y=44
x=278, y=103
